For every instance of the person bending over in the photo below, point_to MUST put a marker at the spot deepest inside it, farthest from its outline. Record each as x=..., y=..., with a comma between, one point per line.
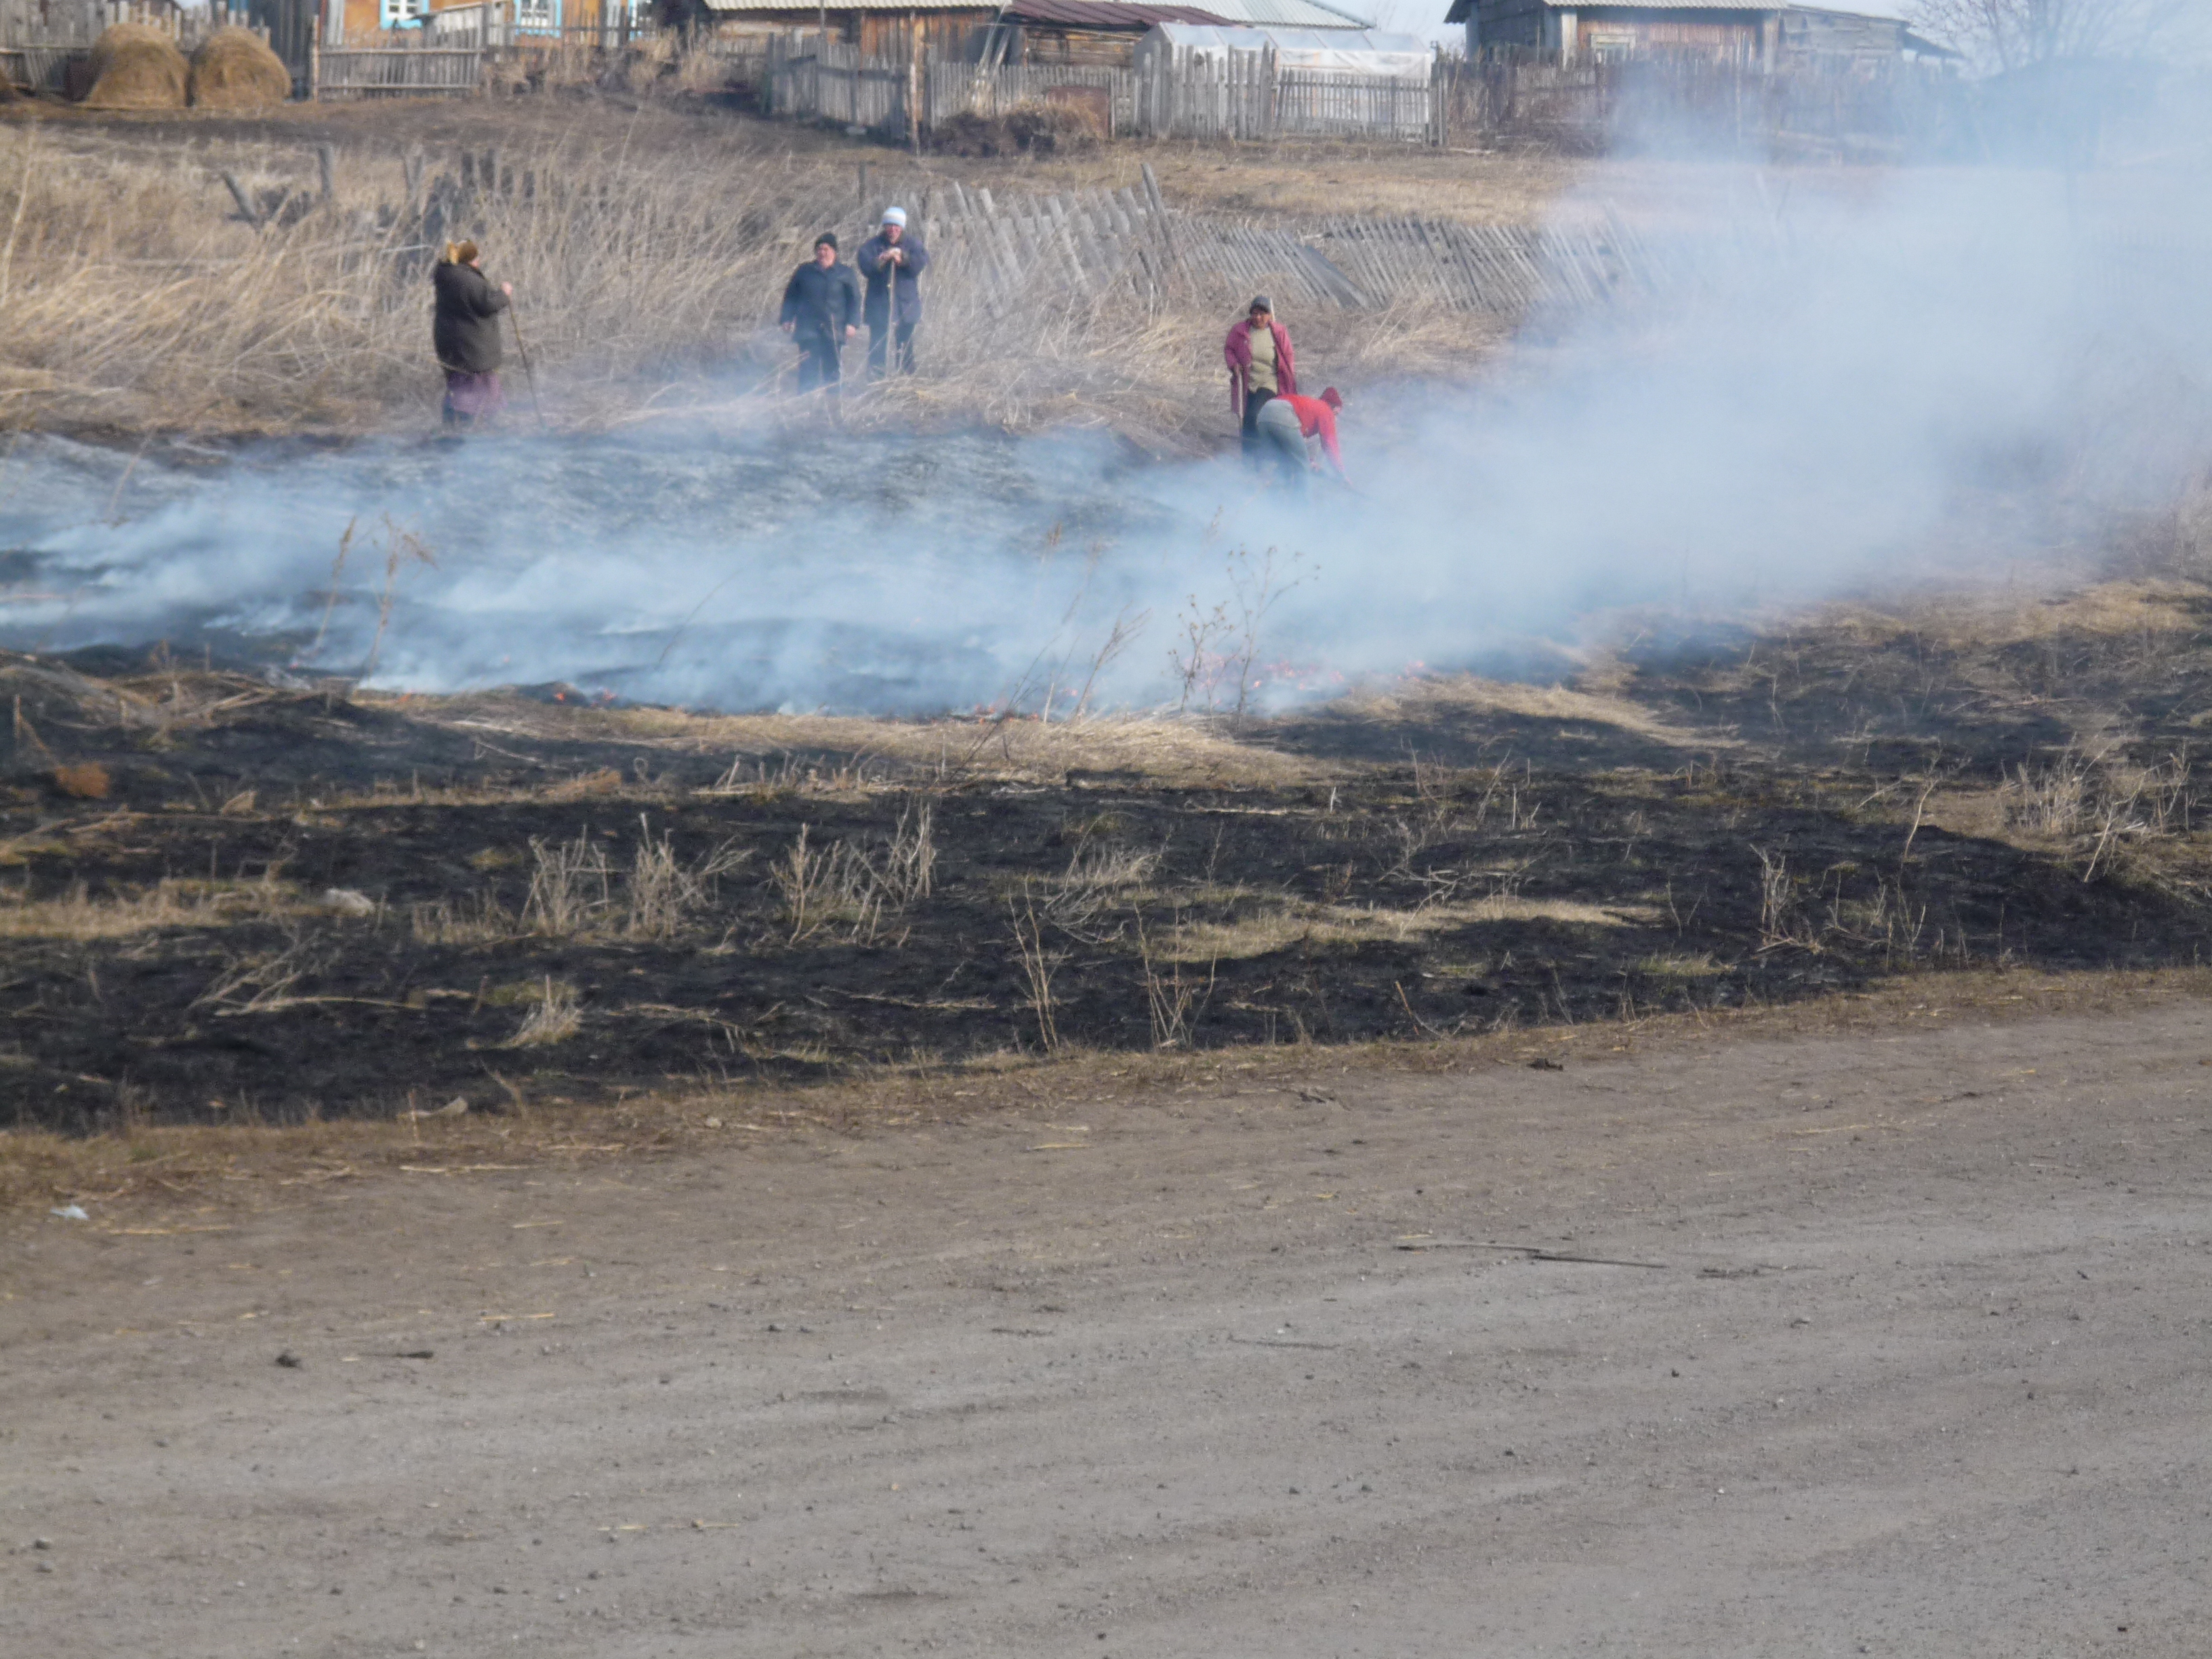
x=1285, y=425
x=892, y=261
x=821, y=311
x=465, y=333
x=1261, y=366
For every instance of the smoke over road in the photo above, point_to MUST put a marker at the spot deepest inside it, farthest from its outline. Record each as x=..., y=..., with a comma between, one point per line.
x=1895, y=374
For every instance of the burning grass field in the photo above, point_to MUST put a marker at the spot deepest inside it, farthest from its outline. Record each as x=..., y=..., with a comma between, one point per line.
x=229, y=903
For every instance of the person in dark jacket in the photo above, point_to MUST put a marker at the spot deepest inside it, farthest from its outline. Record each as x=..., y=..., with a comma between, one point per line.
x=821, y=311
x=1260, y=367
x=465, y=333
x=892, y=261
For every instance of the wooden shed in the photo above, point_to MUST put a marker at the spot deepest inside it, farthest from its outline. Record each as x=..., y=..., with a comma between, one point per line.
x=1103, y=33
x=949, y=31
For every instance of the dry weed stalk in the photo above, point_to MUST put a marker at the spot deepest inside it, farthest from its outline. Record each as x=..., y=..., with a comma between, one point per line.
x=1172, y=1002
x=554, y=1018
x=664, y=892
x=568, y=886
x=1038, y=966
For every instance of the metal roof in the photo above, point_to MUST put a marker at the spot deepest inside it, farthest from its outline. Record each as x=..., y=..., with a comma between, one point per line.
x=1287, y=14
x=1266, y=13
x=802, y=14
x=1880, y=9
x=1103, y=14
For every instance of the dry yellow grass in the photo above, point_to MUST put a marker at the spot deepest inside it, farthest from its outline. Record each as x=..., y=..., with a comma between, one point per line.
x=648, y=259
x=1285, y=927
x=880, y=753
x=1429, y=699
x=174, y=903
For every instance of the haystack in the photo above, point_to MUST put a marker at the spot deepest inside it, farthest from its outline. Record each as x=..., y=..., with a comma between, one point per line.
x=135, y=66
x=233, y=68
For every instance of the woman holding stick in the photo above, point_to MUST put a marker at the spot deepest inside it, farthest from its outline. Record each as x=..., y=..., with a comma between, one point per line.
x=465, y=335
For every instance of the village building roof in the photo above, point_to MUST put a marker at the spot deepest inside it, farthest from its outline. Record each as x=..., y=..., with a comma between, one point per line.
x=1331, y=51
x=1103, y=14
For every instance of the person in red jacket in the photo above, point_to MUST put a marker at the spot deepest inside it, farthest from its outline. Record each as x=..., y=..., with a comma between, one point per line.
x=1288, y=422
x=1261, y=366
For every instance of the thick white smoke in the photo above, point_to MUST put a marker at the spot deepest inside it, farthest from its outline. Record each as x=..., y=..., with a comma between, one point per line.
x=1860, y=377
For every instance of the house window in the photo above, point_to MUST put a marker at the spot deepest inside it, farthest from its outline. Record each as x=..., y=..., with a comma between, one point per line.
x=1612, y=48
x=401, y=13
x=537, y=16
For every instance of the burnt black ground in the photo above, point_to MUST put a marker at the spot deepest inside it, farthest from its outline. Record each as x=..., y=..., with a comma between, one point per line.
x=1598, y=874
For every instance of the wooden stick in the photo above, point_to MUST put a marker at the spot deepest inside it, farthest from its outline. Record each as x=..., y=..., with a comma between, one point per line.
x=528, y=375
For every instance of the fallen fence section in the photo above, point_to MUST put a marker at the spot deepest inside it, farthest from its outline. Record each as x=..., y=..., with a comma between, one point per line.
x=1086, y=241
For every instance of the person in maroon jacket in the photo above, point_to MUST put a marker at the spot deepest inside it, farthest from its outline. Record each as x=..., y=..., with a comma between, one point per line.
x=1261, y=365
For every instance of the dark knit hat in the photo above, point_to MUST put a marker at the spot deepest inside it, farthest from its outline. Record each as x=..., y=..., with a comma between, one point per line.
x=827, y=239
x=1261, y=302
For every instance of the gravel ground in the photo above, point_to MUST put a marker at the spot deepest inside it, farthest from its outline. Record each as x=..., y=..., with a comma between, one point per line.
x=1891, y=1343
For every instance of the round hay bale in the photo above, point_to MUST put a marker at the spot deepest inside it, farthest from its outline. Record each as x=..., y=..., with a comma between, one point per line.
x=233, y=68
x=135, y=66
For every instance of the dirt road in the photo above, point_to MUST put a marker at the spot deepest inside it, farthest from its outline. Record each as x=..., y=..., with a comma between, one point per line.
x=1914, y=1363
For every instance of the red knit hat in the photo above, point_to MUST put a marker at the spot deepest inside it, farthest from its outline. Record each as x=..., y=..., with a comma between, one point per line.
x=1332, y=397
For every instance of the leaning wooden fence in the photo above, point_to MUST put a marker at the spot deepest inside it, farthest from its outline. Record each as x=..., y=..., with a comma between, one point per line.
x=1085, y=242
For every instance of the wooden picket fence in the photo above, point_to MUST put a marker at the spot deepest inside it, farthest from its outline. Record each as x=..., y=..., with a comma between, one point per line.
x=405, y=69
x=1243, y=95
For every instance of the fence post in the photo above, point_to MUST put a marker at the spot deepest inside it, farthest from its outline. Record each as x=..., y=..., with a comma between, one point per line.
x=914, y=81
x=314, y=58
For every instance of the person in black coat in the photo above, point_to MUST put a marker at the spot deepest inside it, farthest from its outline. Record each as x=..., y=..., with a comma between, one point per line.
x=465, y=333
x=821, y=311
x=892, y=260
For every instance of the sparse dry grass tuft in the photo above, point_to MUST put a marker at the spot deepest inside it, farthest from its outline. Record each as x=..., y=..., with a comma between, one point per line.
x=173, y=902
x=556, y=1016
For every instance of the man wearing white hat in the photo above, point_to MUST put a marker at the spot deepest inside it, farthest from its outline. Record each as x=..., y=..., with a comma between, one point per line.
x=891, y=261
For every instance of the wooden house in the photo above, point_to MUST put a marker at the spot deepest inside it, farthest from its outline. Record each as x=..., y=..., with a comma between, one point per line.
x=949, y=31
x=1100, y=34
x=1766, y=37
x=361, y=21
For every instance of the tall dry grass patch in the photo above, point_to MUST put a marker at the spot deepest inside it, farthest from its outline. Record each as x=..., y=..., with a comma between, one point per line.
x=647, y=262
